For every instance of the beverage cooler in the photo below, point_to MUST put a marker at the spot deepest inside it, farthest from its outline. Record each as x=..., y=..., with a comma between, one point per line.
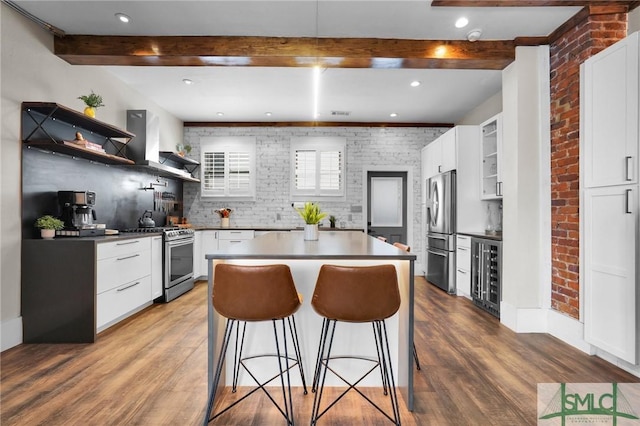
x=486, y=271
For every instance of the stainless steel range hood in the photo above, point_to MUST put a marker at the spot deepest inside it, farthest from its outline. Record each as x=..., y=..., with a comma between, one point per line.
x=144, y=149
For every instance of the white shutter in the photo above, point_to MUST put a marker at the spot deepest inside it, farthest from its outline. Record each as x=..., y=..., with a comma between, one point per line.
x=228, y=167
x=239, y=173
x=330, y=172
x=317, y=168
x=305, y=170
x=213, y=181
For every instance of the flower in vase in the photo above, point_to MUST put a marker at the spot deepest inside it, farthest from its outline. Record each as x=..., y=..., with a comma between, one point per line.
x=224, y=212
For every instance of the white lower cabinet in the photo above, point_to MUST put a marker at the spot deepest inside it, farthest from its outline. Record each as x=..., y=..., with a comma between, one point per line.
x=117, y=302
x=463, y=265
x=228, y=238
x=156, y=267
x=209, y=245
x=609, y=263
x=123, y=279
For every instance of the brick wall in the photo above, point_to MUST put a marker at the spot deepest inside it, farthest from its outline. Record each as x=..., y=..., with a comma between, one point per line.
x=365, y=146
x=592, y=35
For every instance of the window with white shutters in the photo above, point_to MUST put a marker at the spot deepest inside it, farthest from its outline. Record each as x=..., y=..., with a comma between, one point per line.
x=228, y=167
x=317, y=168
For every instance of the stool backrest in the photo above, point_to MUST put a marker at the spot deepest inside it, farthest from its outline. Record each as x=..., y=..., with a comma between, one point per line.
x=356, y=293
x=402, y=246
x=254, y=293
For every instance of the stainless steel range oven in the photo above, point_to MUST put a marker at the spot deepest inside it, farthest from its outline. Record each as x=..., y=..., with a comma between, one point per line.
x=177, y=258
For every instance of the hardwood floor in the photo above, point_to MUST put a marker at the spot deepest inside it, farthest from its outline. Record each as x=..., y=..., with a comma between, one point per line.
x=151, y=370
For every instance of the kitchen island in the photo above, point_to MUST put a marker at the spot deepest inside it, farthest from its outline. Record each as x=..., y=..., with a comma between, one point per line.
x=305, y=259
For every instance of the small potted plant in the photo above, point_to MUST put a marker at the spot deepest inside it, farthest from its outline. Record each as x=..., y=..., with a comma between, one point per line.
x=48, y=226
x=312, y=215
x=224, y=214
x=92, y=102
x=183, y=149
x=332, y=221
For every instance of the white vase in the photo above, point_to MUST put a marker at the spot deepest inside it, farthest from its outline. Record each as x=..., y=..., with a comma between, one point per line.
x=47, y=234
x=311, y=232
x=224, y=222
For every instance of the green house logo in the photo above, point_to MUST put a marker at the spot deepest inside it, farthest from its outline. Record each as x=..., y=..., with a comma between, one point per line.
x=588, y=403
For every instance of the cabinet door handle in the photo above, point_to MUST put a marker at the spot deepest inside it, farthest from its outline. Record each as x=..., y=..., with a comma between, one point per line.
x=628, y=201
x=127, y=243
x=128, y=257
x=463, y=248
x=499, y=189
x=628, y=165
x=440, y=169
x=462, y=271
x=129, y=286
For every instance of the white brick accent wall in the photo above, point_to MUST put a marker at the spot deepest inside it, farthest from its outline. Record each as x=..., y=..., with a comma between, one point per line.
x=371, y=146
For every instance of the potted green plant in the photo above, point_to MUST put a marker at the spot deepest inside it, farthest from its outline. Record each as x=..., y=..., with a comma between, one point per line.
x=48, y=226
x=92, y=102
x=312, y=215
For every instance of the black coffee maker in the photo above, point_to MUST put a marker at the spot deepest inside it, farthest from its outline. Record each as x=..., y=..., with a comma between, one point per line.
x=78, y=214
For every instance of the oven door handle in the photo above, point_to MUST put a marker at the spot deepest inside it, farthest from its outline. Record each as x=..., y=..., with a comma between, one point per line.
x=182, y=242
x=437, y=253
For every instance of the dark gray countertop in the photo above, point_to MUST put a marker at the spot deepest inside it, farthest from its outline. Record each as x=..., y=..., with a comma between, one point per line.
x=496, y=236
x=104, y=238
x=330, y=245
x=268, y=228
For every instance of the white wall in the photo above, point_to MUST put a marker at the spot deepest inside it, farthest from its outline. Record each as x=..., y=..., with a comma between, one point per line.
x=634, y=21
x=484, y=111
x=396, y=147
x=526, y=203
x=30, y=72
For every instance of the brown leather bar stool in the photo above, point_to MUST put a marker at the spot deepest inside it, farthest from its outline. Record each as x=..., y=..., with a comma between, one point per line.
x=356, y=295
x=415, y=352
x=245, y=294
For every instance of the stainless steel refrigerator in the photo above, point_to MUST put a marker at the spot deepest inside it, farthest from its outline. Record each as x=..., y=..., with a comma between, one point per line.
x=441, y=231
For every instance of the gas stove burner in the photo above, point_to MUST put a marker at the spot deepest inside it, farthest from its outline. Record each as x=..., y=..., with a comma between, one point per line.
x=153, y=229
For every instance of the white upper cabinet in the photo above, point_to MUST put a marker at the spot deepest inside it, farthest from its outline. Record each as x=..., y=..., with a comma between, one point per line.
x=440, y=155
x=490, y=156
x=609, y=119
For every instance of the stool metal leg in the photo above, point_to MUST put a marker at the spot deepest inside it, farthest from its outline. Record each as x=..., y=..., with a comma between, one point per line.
x=415, y=357
x=293, y=329
x=383, y=362
x=327, y=335
x=385, y=381
x=218, y=371
x=316, y=373
x=286, y=392
x=382, y=325
x=237, y=356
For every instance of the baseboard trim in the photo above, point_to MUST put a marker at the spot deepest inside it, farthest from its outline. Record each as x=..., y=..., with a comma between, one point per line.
x=10, y=333
x=569, y=330
x=523, y=320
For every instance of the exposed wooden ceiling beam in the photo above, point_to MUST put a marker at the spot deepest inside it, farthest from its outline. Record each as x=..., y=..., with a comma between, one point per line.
x=529, y=3
x=283, y=52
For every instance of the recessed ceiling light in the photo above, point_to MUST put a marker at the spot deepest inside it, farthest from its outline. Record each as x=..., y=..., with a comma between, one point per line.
x=462, y=22
x=268, y=114
x=187, y=81
x=123, y=18
x=441, y=51
x=474, y=35
x=393, y=114
x=219, y=114
x=415, y=83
